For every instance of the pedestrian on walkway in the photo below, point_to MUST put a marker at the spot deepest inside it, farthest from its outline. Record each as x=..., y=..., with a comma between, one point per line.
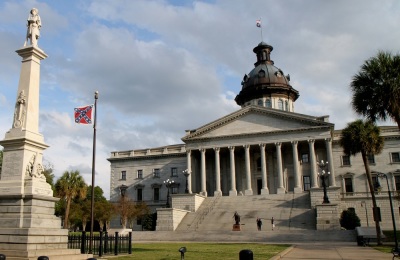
x=259, y=224
x=272, y=223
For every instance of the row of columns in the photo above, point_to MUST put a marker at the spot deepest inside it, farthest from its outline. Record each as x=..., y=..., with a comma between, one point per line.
x=264, y=190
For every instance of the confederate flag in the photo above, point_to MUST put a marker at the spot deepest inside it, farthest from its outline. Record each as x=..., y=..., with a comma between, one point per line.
x=83, y=115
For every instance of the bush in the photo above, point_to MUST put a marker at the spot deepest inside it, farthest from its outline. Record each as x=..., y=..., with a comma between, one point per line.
x=349, y=219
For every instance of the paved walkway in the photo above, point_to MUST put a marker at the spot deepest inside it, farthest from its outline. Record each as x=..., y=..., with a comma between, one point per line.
x=326, y=251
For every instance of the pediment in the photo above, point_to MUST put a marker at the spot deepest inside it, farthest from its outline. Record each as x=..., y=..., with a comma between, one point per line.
x=254, y=120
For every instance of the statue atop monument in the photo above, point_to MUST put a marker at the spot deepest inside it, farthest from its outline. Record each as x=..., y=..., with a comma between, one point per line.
x=34, y=25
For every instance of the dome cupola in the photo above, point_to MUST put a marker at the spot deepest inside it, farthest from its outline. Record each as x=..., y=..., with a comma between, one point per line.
x=266, y=85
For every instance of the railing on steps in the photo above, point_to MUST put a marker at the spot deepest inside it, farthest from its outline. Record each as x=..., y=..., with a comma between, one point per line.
x=203, y=213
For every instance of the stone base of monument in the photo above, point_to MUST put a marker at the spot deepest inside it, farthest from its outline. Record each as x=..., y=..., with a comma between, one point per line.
x=29, y=229
x=236, y=227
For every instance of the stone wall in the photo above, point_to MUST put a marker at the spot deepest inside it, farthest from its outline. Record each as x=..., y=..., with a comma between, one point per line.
x=189, y=202
x=169, y=219
x=328, y=216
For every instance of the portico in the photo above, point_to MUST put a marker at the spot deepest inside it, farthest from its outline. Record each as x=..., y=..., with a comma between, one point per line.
x=243, y=168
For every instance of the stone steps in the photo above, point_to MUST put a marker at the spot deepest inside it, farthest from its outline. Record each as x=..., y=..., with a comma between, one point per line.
x=264, y=236
x=290, y=211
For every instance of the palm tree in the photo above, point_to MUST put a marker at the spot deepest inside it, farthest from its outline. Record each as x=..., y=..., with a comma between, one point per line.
x=376, y=88
x=364, y=137
x=71, y=185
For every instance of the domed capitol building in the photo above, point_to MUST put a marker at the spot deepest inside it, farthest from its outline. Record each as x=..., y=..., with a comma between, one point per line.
x=255, y=157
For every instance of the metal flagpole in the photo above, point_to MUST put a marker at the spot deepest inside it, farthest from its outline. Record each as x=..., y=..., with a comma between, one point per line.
x=96, y=96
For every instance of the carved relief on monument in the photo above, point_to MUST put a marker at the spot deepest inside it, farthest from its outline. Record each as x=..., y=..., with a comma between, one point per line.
x=20, y=110
x=33, y=169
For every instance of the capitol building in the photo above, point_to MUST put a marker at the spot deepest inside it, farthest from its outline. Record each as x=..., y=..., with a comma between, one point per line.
x=262, y=149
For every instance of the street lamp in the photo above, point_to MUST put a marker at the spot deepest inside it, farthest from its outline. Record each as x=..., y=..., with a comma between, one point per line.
x=323, y=175
x=168, y=183
x=363, y=204
x=383, y=175
x=186, y=173
x=123, y=189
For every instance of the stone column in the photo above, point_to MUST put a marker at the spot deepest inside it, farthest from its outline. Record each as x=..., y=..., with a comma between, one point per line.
x=203, y=172
x=248, y=190
x=281, y=188
x=296, y=172
x=217, y=191
x=189, y=167
x=233, y=191
x=264, y=189
x=332, y=177
x=313, y=163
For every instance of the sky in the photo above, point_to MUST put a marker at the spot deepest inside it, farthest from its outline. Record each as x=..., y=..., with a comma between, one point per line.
x=164, y=66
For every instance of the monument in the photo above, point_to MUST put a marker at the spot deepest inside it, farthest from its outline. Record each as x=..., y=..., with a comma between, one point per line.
x=28, y=226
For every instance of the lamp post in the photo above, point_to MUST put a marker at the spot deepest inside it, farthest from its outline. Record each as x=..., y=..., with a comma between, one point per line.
x=383, y=175
x=123, y=189
x=324, y=174
x=363, y=204
x=168, y=184
x=186, y=173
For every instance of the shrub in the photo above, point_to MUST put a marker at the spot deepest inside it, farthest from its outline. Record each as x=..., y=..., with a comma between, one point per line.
x=349, y=219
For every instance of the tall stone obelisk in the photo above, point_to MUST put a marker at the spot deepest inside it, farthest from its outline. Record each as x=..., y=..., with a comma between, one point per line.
x=28, y=226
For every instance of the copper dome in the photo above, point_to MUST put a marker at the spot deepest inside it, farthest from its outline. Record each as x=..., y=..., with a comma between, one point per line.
x=265, y=80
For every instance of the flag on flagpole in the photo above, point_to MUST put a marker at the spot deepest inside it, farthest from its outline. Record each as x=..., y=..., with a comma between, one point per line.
x=83, y=115
x=258, y=23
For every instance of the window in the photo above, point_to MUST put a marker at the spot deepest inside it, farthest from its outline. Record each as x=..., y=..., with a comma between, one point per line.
x=395, y=157
x=260, y=102
x=348, y=184
x=174, y=172
x=346, y=160
x=156, y=194
x=286, y=106
x=304, y=158
x=371, y=158
x=376, y=183
x=156, y=173
x=397, y=182
x=280, y=104
x=140, y=174
x=123, y=175
x=268, y=103
x=306, y=183
x=139, y=194
x=259, y=164
x=175, y=189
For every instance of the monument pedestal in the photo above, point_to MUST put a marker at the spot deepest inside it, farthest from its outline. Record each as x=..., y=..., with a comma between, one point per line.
x=236, y=227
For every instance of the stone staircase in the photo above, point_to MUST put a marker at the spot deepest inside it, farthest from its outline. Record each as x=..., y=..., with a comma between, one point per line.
x=213, y=221
x=290, y=212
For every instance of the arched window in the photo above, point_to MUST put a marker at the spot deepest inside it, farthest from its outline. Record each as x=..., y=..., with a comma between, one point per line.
x=286, y=105
x=280, y=104
x=268, y=103
x=260, y=102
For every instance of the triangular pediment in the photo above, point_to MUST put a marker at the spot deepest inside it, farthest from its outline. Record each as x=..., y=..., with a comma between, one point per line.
x=253, y=120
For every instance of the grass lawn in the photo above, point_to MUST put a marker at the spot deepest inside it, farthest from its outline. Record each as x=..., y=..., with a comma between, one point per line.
x=200, y=251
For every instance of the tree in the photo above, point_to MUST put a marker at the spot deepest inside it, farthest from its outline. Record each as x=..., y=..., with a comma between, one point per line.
x=48, y=173
x=376, y=88
x=364, y=137
x=71, y=185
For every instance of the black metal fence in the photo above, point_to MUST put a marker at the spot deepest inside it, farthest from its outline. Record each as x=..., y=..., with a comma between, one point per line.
x=103, y=243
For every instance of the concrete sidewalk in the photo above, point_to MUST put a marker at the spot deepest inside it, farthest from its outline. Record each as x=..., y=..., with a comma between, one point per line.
x=343, y=251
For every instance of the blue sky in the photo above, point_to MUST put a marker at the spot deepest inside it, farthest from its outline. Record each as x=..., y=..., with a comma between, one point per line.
x=162, y=67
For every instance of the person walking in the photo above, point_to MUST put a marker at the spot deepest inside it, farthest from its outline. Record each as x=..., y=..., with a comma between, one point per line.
x=259, y=224
x=272, y=223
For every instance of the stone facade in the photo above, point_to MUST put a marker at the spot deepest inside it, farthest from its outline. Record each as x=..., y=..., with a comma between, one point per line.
x=263, y=148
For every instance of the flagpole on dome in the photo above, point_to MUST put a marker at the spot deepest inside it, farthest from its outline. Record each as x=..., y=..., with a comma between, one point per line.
x=96, y=96
x=259, y=25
